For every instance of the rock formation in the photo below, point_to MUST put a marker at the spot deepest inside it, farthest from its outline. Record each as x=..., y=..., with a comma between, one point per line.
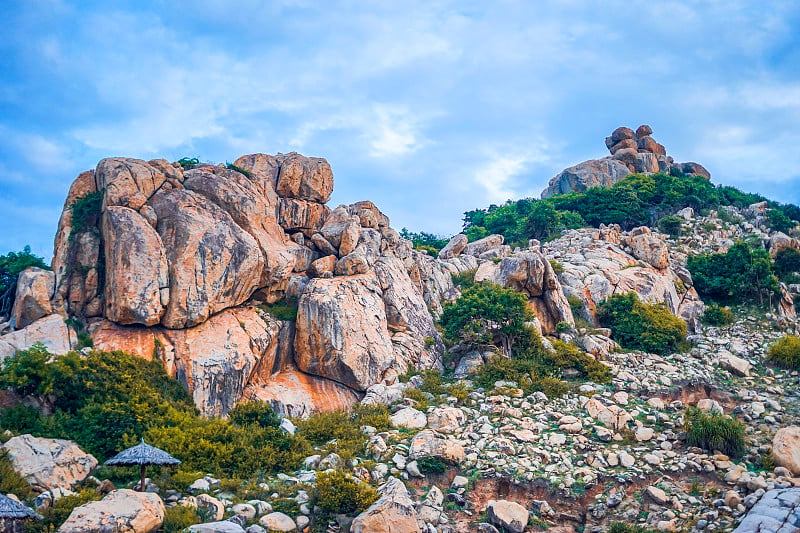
x=49, y=464
x=171, y=262
x=123, y=510
x=631, y=151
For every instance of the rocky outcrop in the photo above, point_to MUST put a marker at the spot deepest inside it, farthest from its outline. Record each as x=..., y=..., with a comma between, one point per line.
x=393, y=512
x=597, y=263
x=507, y=515
x=531, y=273
x=123, y=511
x=51, y=331
x=49, y=463
x=786, y=448
x=778, y=511
x=631, y=151
x=174, y=261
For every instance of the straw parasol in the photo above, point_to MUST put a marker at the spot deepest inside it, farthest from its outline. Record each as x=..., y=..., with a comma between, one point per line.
x=13, y=511
x=142, y=455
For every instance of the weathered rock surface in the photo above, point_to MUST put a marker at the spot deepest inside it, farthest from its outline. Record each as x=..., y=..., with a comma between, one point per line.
x=123, y=511
x=49, y=463
x=786, y=448
x=509, y=516
x=593, y=173
x=35, y=290
x=428, y=443
x=393, y=512
x=51, y=331
x=778, y=511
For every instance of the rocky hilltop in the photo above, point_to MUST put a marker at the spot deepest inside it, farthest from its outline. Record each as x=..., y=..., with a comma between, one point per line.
x=631, y=151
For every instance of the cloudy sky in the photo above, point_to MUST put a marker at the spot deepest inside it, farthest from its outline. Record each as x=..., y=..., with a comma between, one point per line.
x=428, y=108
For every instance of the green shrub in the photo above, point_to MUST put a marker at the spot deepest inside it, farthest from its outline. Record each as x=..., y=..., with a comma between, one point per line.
x=338, y=492
x=671, y=225
x=285, y=309
x=741, y=274
x=254, y=413
x=787, y=264
x=340, y=431
x=10, y=481
x=178, y=518
x=624, y=527
x=714, y=431
x=778, y=221
x=425, y=241
x=716, y=315
x=419, y=397
x=376, y=416
x=558, y=268
x=188, y=162
x=86, y=212
x=466, y=279
x=240, y=170
x=576, y=303
x=431, y=465
x=487, y=313
x=785, y=352
x=641, y=326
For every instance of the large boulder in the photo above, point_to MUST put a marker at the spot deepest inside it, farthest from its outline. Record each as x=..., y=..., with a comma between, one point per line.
x=454, y=247
x=35, y=290
x=51, y=331
x=508, y=516
x=49, y=463
x=649, y=247
x=137, y=279
x=593, y=173
x=342, y=331
x=213, y=263
x=307, y=178
x=428, y=443
x=292, y=393
x=121, y=511
x=786, y=448
x=393, y=512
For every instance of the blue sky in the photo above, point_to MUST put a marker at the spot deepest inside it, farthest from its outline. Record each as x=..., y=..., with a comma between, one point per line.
x=428, y=108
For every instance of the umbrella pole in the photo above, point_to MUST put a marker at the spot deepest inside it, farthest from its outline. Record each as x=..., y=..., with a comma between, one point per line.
x=141, y=486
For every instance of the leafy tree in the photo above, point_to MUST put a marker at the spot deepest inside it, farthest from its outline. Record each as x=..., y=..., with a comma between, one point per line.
x=425, y=241
x=742, y=272
x=487, y=312
x=778, y=221
x=641, y=326
x=254, y=413
x=11, y=265
x=787, y=263
x=671, y=225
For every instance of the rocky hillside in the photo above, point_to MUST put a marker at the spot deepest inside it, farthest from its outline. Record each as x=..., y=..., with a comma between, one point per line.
x=676, y=413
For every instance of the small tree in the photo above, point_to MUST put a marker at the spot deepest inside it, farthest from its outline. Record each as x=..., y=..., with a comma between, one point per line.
x=641, y=326
x=487, y=313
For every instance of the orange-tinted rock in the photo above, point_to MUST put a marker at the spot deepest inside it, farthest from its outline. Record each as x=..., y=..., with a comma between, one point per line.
x=127, y=182
x=306, y=178
x=293, y=393
x=301, y=215
x=32, y=301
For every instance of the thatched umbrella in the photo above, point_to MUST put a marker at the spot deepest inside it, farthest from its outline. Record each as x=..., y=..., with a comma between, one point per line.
x=11, y=511
x=142, y=455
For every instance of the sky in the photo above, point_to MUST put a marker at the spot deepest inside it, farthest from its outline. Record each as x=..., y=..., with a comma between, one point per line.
x=428, y=108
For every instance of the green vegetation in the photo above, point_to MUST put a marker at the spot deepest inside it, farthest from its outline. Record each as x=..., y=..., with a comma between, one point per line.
x=425, y=241
x=716, y=315
x=338, y=492
x=624, y=527
x=741, y=274
x=178, y=518
x=254, y=413
x=188, y=162
x=56, y=514
x=466, y=279
x=240, y=170
x=671, y=225
x=106, y=401
x=487, y=313
x=634, y=201
x=431, y=465
x=786, y=352
x=787, y=265
x=714, y=432
x=779, y=221
x=10, y=481
x=11, y=264
x=641, y=326
x=86, y=212
x=284, y=309
x=340, y=431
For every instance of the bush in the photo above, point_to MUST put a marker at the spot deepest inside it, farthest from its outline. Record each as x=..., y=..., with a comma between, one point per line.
x=188, y=162
x=376, y=416
x=86, y=212
x=57, y=514
x=465, y=280
x=714, y=432
x=787, y=263
x=340, y=431
x=740, y=274
x=285, y=309
x=716, y=315
x=240, y=170
x=10, y=481
x=641, y=326
x=431, y=465
x=178, y=518
x=786, y=352
x=425, y=241
x=671, y=225
x=254, y=413
x=487, y=313
x=337, y=492
x=624, y=527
